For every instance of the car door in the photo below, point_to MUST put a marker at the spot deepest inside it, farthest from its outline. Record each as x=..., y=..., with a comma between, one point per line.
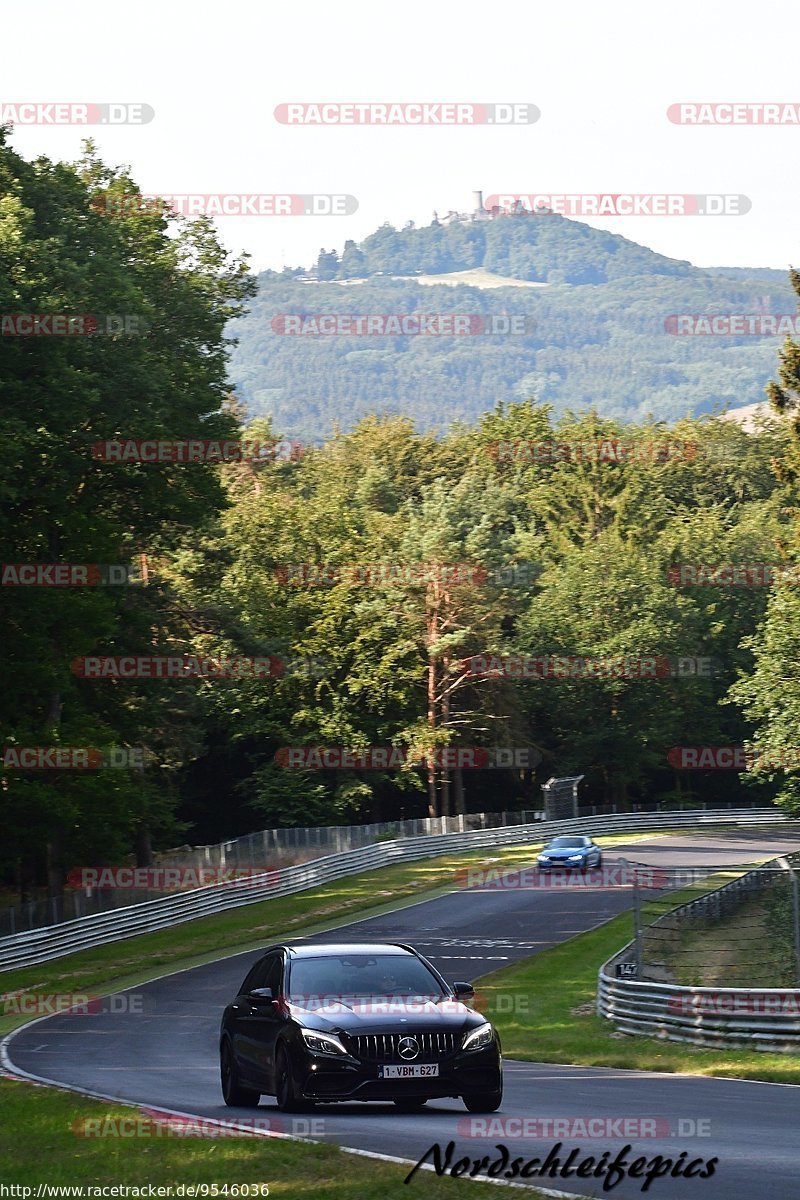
x=236, y=1023
x=273, y=1020
x=257, y=1022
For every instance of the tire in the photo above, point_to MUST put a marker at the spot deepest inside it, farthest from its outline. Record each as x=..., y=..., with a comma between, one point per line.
x=286, y=1094
x=410, y=1104
x=483, y=1102
x=599, y=861
x=234, y=1095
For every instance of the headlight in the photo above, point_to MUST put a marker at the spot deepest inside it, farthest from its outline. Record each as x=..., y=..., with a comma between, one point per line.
x=544, y=858
x=479, y=1037
x=324, y=1043
x=574, y=857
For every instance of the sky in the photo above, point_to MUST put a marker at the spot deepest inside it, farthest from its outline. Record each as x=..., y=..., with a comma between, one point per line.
x=602, y=76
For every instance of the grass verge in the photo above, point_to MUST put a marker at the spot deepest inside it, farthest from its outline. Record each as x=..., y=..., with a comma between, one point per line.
x=544, y=1008
x=38, y=1145
x=127, y=963
x=37, y=1117
x=555, y=981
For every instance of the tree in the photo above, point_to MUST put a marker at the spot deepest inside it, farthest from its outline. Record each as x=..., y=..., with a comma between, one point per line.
x=770, y=693
x=327, y=264
x=76, y=239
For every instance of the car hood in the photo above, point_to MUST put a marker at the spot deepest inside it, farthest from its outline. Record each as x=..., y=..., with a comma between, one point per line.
x=364, y=1015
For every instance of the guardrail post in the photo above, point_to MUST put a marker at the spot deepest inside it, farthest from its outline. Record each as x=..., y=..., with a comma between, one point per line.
x=115, y=916
x=637, y=916
x=796, y=921
x=784, y=862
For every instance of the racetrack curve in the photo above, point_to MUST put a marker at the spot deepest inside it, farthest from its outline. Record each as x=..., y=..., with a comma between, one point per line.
x=165, y=1056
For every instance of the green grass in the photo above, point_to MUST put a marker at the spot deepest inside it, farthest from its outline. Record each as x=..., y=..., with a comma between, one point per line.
x=552, y=983
x=544, y=1009
x=737, y=951
x=135, y=960
x=37, y=1117
x=38, y=1145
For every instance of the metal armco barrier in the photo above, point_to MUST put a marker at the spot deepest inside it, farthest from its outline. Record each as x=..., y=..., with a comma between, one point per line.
x=55, y=941
x=765, y=1019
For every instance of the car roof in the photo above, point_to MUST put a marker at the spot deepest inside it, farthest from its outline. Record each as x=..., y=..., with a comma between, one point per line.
x=336, y=949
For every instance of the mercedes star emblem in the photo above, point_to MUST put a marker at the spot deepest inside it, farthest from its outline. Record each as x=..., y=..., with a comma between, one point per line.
x=408, y=1047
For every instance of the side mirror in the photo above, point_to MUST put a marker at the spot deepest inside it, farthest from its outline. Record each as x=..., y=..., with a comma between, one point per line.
x=463, y=991
x=260, y=997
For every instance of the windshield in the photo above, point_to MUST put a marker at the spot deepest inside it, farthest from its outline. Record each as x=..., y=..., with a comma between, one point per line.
x=362, y=975
x=566, y=843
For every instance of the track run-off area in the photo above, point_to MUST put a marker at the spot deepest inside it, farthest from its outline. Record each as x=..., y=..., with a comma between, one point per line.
x=163, y=1056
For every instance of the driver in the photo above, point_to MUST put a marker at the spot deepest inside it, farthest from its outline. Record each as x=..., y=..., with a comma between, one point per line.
x=389, y=983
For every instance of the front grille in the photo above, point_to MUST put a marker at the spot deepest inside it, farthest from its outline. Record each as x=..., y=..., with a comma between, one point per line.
x=382, y=1047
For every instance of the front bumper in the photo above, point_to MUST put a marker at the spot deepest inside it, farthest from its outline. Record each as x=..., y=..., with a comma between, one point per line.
x=328, y=1077
x=561, y=864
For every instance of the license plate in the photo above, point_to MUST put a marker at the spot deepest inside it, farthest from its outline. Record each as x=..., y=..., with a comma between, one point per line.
x=403, y=1071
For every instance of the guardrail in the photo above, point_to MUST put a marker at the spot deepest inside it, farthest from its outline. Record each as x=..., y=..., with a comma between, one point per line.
x=55, y=941
x=765, y=1019
x=281, y=847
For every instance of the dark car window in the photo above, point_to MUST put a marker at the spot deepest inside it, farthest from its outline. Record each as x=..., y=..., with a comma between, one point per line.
x=266, y=973
x=250, y=978
x=568, y=843
x=362, y=975
x=273, y=972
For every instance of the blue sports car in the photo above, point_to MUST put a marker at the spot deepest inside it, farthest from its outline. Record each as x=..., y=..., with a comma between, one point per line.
x=570, y=852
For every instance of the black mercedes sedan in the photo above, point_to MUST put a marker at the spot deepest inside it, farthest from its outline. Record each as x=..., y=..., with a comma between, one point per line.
x=323, y=1023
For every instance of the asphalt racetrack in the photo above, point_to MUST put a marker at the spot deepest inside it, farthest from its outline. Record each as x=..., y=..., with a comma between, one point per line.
x=165, y=1056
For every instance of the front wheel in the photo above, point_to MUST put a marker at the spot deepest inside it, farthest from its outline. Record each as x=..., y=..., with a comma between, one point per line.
x=234, y=1095
x=288, y=1097
x=483, y=1102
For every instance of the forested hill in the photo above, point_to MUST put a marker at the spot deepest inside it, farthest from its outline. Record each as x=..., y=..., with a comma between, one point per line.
x=596, y=333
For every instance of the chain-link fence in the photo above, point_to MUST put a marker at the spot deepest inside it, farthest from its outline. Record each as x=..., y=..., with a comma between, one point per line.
x=706, y=926
x=561, y=797
x=98, y=890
